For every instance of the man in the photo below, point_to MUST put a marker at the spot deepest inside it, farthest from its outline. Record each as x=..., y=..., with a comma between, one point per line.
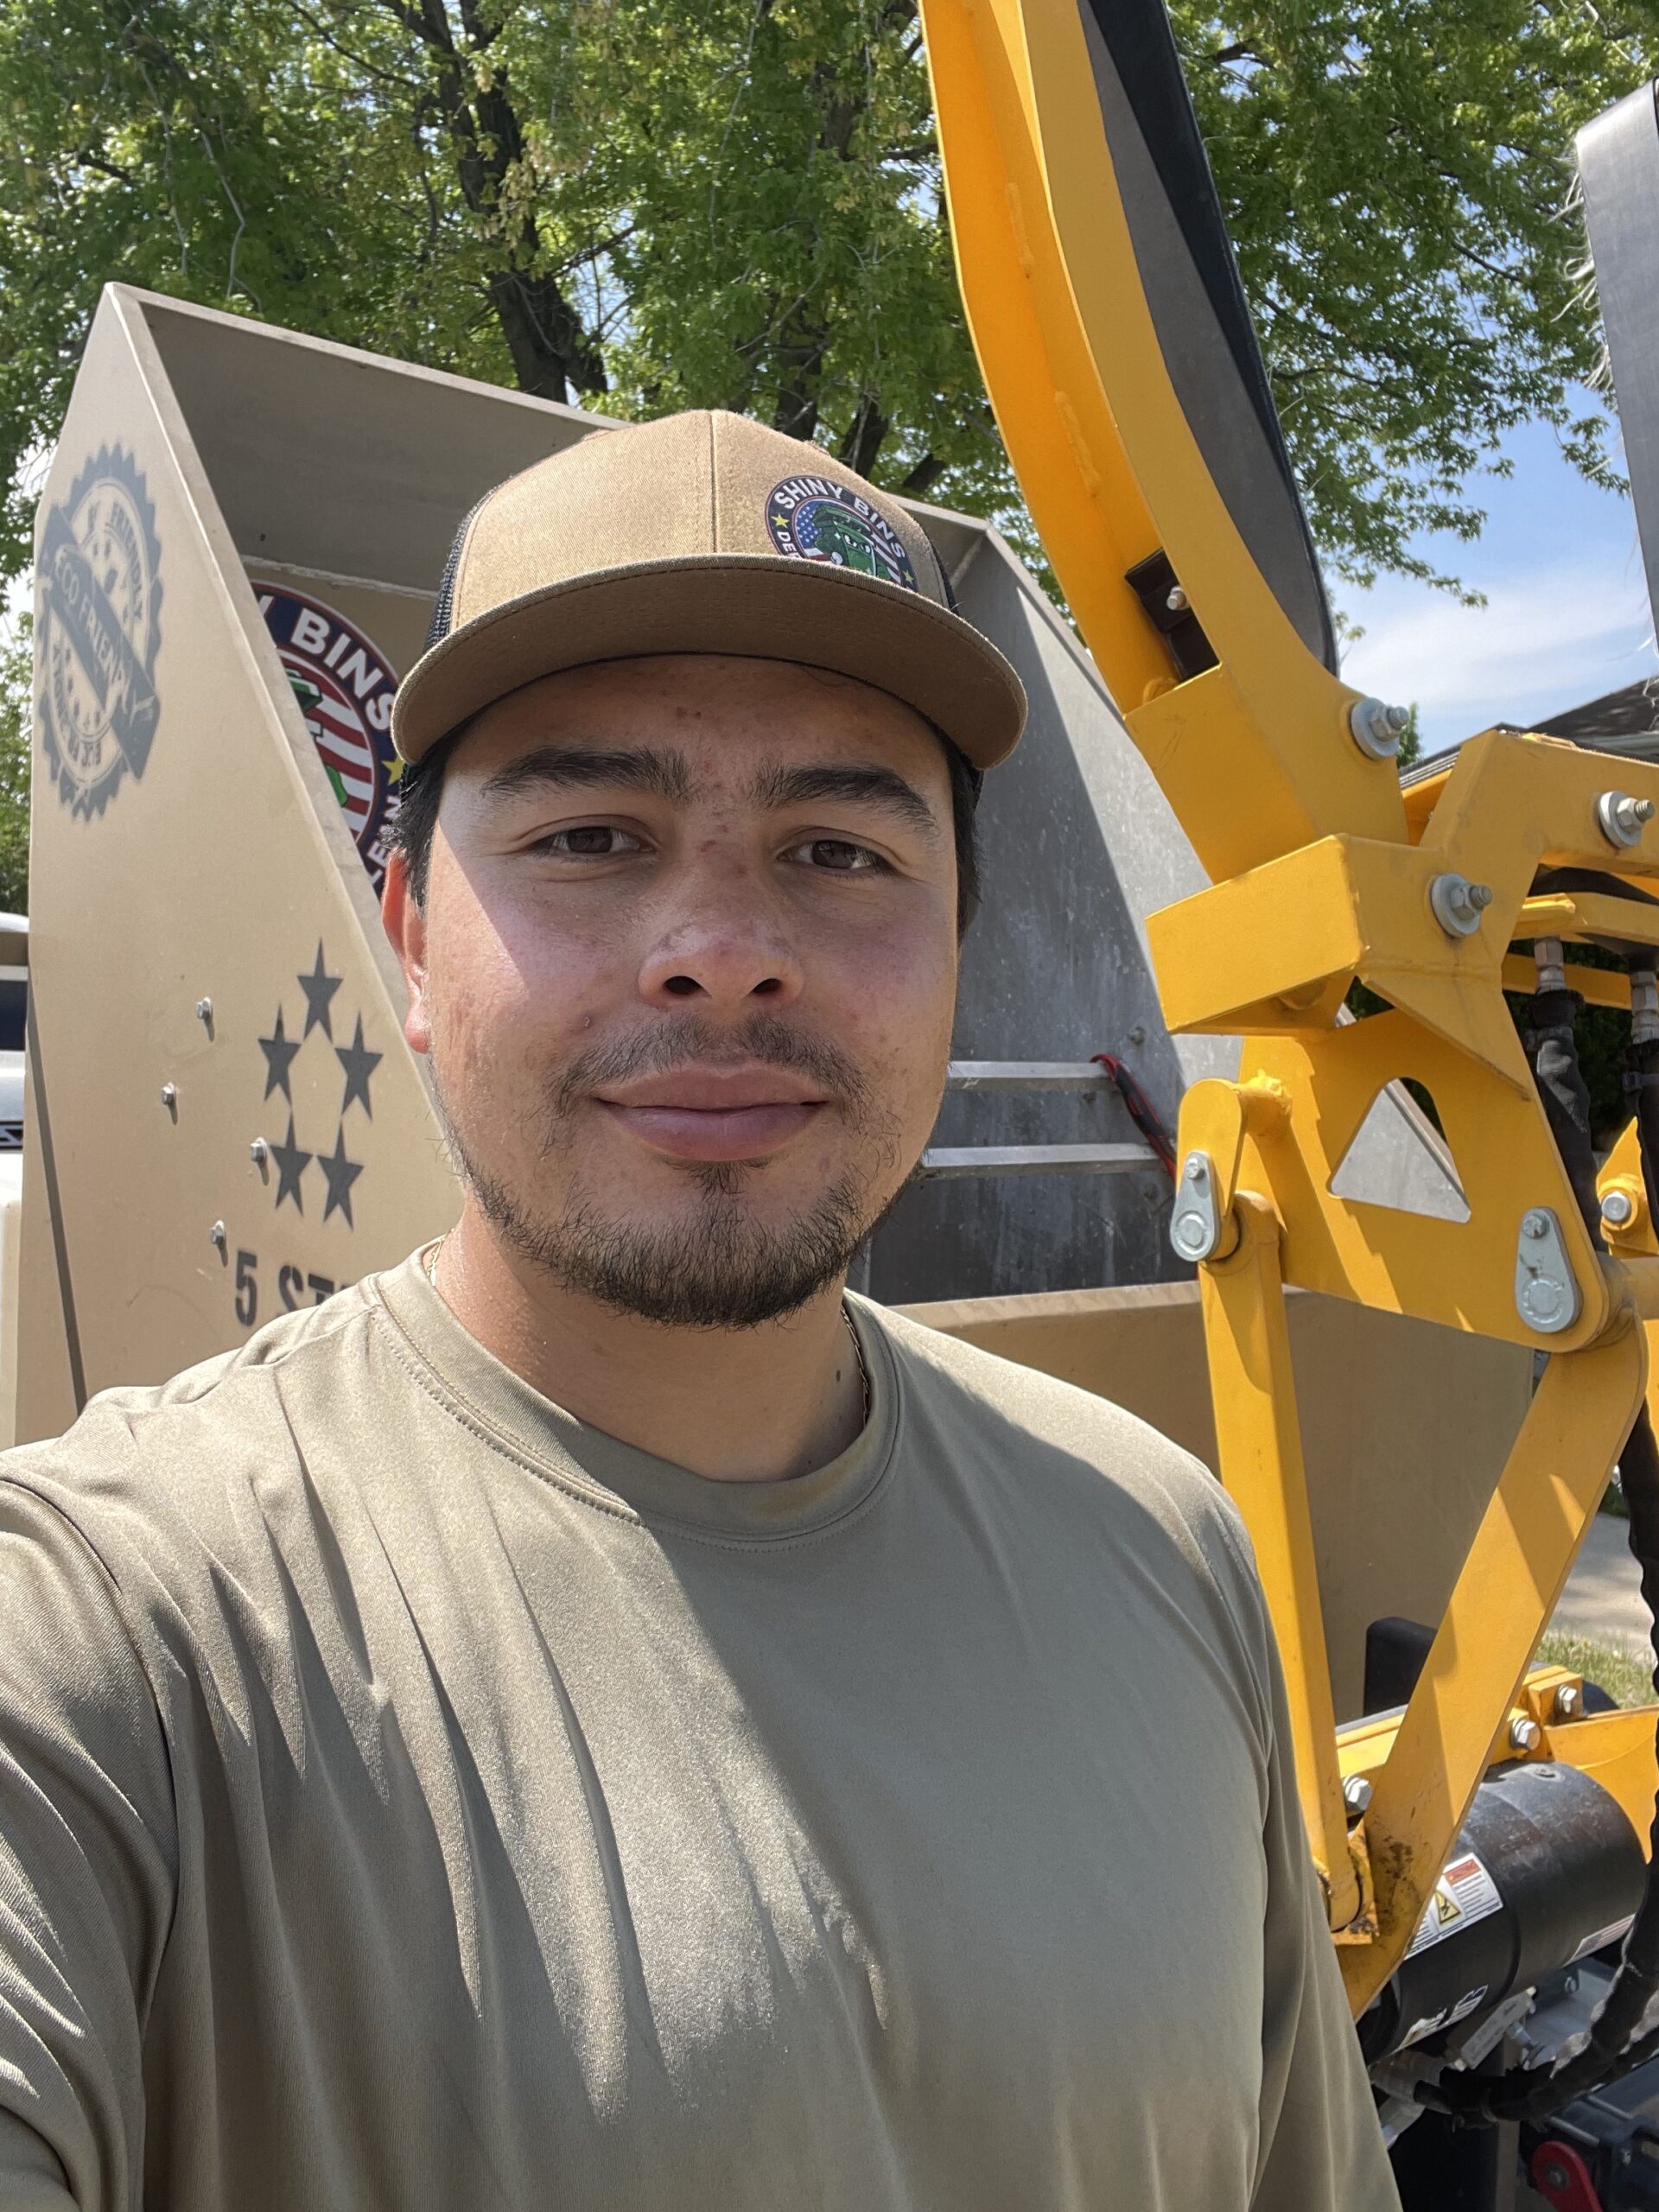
x=596, y=1717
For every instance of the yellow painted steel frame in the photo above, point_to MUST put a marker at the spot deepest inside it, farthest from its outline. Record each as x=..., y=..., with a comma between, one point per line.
x=1321, y=871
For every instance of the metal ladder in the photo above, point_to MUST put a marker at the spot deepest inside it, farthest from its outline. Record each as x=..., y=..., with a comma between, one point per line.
x=940, y=1160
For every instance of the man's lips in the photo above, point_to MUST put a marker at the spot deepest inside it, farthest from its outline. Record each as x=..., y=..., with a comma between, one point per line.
x=704, y=1113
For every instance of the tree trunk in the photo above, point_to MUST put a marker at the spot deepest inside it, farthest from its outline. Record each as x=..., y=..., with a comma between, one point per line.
x=862, y=442
x=551, y=357
x=553, y=354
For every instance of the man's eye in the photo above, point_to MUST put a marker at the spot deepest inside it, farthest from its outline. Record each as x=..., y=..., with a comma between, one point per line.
x=592, y=840
x=839, y=854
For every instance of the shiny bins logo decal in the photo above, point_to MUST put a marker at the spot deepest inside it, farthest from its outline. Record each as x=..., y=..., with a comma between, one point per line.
x=98, y=630
x=815, y=519
x=344, y=684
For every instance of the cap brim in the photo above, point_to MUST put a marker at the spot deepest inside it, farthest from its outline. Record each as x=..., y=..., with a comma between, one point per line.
x=751, y=604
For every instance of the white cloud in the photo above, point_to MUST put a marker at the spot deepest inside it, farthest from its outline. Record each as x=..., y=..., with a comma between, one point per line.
x=1547, y=638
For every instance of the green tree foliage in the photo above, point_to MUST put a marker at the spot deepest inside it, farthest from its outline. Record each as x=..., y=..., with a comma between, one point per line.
x=642, y=205
x=13, y=773
x=637, y=204
x=646, y=204
x=1398, y=180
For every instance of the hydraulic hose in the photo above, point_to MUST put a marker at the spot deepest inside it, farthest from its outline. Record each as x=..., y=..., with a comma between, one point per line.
x=1552, y=1046
x=1642, y=1074
x=1529, y=2093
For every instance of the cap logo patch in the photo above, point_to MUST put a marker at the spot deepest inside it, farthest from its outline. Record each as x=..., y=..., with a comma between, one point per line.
x=813, y=518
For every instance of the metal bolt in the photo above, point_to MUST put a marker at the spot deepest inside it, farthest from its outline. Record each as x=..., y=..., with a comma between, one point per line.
x=1176, y=601
x=1356, y=1793
x=1194, y=1227
x=170, y=1099
x=1459, y=904
x=1569, y=1701
x=1546, y=1290
x=216, y=1236
x=259, y=1152
x=1622, y=818
x=1618, y=1209
x=1378, y=727
x=204, y=1011
x=1525, y=1734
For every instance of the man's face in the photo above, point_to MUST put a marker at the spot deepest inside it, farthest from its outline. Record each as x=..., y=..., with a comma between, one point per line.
x=686, y=972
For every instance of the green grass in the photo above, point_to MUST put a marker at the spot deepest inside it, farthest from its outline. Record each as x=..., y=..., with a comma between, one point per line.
x=1624, y=1675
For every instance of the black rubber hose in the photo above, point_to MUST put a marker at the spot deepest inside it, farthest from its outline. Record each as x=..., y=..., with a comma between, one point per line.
x=1529, y=2093
x=1554, y=1047
x=1642, y=1081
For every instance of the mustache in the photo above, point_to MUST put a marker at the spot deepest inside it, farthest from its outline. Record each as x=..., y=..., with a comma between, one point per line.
x=686, y=1040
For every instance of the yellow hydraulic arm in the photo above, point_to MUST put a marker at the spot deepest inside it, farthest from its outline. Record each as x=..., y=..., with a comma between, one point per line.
x=1097, y=296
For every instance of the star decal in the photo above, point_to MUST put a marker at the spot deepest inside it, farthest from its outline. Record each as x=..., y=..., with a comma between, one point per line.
x=291, y=1164
x=358, y=1064
x=319, y=987
x=340, y=1174
x=279, y=1049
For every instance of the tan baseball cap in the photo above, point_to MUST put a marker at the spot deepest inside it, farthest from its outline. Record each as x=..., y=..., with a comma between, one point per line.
x=702, y=533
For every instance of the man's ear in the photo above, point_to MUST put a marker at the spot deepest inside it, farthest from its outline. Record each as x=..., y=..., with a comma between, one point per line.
x=405, y=925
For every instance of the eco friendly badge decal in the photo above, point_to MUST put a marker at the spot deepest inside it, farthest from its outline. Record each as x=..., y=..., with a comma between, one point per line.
x=813, y=518
x=98, y=630
x=344, y=684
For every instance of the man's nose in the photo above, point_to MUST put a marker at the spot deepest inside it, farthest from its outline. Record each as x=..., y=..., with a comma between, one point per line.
x=726, y=957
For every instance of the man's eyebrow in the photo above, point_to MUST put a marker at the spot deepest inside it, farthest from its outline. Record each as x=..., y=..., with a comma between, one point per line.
x=869, y=786
x=580, y=767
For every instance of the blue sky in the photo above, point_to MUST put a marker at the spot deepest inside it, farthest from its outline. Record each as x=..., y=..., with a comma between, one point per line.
x=1567, y=615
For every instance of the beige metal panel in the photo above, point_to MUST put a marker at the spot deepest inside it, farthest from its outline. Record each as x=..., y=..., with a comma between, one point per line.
x=223, y=872
x=1404, y=1427
x=11, y=1226
x=350, y=463
x=394, y=619
x=42, y=1385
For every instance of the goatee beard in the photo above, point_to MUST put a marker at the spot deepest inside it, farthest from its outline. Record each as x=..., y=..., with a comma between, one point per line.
x=722, y=1269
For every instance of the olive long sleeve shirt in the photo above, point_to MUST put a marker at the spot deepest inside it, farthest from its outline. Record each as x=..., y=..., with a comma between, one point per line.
x=413, y=1798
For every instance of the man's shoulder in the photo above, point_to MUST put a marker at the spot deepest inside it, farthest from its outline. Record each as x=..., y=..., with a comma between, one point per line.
x=179, y=1452
x=942, y=1368
x=1029, y=1428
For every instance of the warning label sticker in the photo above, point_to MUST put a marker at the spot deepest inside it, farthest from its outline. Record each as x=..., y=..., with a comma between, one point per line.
x=1464, y=1894
x=1448, y=2018
x=1602, y=1938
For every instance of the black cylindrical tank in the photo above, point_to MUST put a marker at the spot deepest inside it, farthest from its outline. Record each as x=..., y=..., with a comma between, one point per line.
x=1547, y=1869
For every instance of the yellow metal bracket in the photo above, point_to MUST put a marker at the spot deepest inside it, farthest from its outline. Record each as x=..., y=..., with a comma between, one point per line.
x=1323, y=872
x=1254, y=1396
x=1499, y=1607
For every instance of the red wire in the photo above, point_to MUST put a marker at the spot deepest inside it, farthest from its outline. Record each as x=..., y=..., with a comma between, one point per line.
x=1142, y=1111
